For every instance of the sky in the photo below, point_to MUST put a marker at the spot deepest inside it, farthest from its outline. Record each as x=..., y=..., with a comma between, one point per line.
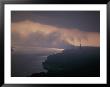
x=55, y=29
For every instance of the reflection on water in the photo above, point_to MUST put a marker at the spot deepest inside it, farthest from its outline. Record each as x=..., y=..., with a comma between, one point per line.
x=25, y=61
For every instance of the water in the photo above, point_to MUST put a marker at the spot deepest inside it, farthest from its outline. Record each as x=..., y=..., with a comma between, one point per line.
x=23, y=65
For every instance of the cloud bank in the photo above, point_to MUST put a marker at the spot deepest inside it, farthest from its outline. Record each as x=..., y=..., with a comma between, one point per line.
x=32, y=34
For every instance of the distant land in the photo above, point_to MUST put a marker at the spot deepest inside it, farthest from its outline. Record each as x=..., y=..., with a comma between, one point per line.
x=74, y=62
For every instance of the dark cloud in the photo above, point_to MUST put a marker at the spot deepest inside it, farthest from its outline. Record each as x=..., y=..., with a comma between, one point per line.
x=82, y=20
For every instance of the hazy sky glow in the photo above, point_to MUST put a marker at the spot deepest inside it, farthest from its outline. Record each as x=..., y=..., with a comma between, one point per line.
x=29, y=32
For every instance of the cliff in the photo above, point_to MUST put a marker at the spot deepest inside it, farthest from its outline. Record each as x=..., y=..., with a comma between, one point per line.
x=84, y=61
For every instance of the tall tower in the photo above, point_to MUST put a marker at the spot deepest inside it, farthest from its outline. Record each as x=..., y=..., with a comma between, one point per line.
x=80, y=43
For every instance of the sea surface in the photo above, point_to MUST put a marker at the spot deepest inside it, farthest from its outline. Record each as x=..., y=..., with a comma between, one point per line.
x=23, y=65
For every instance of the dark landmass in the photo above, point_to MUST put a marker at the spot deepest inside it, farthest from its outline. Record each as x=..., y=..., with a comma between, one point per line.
x=78, y=62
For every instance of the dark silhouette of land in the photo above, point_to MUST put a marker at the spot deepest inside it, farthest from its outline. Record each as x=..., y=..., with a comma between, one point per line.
x=75, y=62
